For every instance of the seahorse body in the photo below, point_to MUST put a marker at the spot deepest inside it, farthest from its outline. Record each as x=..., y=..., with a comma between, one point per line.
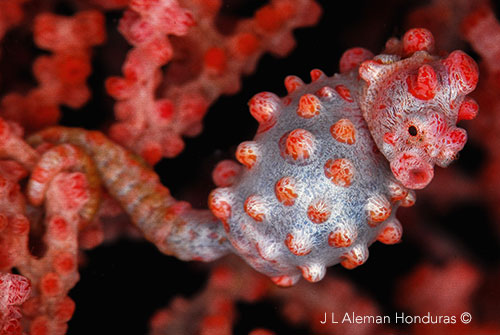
x=316, y=190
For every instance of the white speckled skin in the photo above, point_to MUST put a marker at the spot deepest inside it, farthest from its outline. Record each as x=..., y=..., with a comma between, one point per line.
x=262, y=244
x=316, y=191
x=390, y=107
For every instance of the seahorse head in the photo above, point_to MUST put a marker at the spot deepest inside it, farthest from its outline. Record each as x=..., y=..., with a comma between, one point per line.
x=412, y=106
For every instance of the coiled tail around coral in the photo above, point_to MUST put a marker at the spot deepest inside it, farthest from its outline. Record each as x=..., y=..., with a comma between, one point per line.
x=173, y=226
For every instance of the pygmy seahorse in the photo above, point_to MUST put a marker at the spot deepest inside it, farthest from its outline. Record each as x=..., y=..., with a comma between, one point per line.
x=329, y=166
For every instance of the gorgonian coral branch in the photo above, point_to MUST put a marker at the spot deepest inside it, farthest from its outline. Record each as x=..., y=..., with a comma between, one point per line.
x=62, y=76
x=321, y=181
x=203, y=64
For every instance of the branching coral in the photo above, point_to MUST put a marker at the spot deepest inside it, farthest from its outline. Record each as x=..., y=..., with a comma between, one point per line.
x=332, y=162
x=205, y=64
x=62, y=76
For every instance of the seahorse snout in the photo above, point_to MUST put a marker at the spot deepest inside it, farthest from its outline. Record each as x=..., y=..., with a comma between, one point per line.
x=412, y=171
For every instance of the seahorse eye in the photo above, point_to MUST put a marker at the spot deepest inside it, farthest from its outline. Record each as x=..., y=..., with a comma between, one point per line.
x=412, y=130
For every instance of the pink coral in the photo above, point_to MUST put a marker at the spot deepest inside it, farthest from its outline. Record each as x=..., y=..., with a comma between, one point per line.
x=14, y=290
x=152, y=124
x=62, y=76
x=62, y=187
